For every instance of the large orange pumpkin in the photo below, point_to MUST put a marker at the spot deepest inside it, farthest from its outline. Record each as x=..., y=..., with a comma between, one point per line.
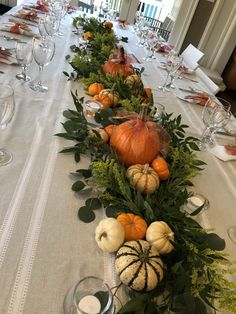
x=118, y=66
x=135, y=226
x=161, y=167
x=109, y=129
x=136, y=141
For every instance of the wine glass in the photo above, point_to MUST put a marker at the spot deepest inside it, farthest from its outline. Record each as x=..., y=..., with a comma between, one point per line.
x=7, y=108
x=41, y=27
x=215, y=115
x=43, y=52
x=51, y=24
x=172, y=64
x=24, y=57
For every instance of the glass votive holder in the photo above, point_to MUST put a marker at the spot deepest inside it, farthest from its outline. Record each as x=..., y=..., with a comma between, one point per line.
x=91, y=108
x=91, y=295
x=196, y=201
x=159, y=111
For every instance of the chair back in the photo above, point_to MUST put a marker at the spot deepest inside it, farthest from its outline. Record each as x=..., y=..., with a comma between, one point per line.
x=191, y=51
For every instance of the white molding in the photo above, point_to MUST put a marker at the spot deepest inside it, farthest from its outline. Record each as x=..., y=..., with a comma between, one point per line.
x=209, y=27
x=184, y=18
x=223, y=39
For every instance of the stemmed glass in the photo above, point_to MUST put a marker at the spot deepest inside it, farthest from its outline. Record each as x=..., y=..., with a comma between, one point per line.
x=151, y=42
x=43, y=52
x=51, y=24
x=7, y=107
x=173, y=63
x=215, y=115
x=24, y=57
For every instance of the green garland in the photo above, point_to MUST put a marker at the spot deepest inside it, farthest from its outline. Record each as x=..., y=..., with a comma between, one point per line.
x=195, y=269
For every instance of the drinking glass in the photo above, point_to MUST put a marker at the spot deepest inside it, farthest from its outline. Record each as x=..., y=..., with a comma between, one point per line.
x=7, y=107
x=51, y=24
x=173, y=63
x=91, y=295
x=43, y=52
x=215, y=115
x=24, y=57
x=41, y=27
x=232, y=233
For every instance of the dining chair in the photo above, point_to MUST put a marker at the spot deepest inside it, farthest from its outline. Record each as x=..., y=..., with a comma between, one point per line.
x=211, y=86
x=191, y=55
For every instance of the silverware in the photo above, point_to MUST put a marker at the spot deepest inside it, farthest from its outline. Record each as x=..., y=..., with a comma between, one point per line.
x=17, y=18
x=8, y=38
x=192, y=91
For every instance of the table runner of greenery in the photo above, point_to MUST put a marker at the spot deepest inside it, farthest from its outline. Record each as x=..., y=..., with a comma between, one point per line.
x=195, y=270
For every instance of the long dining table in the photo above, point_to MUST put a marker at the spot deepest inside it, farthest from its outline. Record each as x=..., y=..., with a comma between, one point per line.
x=44, y=247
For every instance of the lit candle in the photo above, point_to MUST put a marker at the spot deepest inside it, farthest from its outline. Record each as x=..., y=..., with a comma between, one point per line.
x=89, y=305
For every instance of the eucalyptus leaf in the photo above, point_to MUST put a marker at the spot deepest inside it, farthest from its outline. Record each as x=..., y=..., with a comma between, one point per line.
x=86, y=215
x=214, y=242
x=93, y=203
x=198, y=210
x=86, y=173
x=111, y=211
x=78, y=185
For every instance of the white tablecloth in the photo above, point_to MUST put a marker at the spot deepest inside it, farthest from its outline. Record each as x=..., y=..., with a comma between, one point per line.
x=44, y=248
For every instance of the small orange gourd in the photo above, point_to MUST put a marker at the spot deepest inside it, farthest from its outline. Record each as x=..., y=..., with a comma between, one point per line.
x=108, y=98
x=95, y=89
x=161, y=167
x=135, y=226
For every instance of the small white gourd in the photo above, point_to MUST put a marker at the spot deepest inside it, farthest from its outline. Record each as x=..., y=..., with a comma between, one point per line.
x=109, y=235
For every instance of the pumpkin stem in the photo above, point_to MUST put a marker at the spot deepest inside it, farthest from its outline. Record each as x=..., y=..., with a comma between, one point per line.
x=145, y=169
x=122, y=55
x=144, y=256
x=104, y=234
x=143, y=113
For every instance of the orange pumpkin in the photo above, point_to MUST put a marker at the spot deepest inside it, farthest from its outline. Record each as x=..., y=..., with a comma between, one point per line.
x=109, y=129
x=108, y=98
x=88, y=35
x=108, y=24
x=135, y=227
x=95, y=89
x=136, y=141
x=118, y=66
x=161, y=167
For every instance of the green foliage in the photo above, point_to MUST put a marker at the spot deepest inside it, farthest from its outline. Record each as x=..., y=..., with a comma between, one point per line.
x=132, y=104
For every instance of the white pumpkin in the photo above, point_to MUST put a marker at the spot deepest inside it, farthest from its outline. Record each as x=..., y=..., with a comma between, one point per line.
x=159, y=235
x=109, y=235
x=139, y=266
x=101, y=132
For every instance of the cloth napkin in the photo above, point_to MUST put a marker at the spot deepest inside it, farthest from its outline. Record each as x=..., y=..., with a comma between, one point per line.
x=18, y=28
x=27, y=15
x=165, y=47
x=40, y=6
x=220, y=152
x=7, y=56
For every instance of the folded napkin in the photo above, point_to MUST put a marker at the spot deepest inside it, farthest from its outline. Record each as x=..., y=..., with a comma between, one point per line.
x=27, y=15
x=198, y=98
x=7, y=56
x=17, y=28
x=40, y=6
x=220, y=152
x=165, y=47
x=185, y=70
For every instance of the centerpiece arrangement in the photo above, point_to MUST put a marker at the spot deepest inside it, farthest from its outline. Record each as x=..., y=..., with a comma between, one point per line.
x=140, y=173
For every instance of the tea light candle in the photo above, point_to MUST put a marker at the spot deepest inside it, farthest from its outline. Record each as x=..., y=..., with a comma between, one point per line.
x=89, y=305
x=196, y=201
x=92, y=107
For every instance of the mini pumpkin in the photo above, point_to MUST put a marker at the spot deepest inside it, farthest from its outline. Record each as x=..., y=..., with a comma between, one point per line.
x=159, y=235
x=133, y=80
x=88, y=35
x=108, y=24
x=161, y=167
x=101, y=132
x=135, y=226
x=139, y=266
x=143, y=177
x=95, y=89
x=108, y=98
x=109, y=235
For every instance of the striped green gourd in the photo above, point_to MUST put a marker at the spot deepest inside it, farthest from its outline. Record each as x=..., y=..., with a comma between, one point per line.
x=139, y=266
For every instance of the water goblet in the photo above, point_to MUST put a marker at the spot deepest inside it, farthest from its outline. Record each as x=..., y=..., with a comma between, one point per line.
x=215, y=115
x=7, y=107
x=173, y=63
x=24, y=56
x=43, y=52
x=51, y=24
